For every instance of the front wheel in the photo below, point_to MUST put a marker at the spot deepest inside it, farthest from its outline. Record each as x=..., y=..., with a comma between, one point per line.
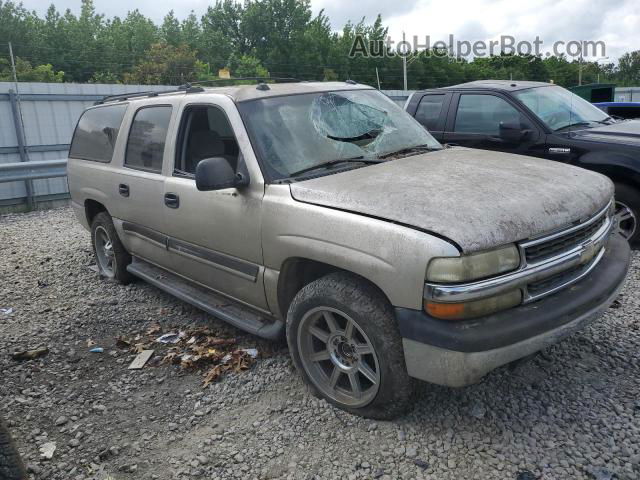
x=344, y=340
x=628, y=212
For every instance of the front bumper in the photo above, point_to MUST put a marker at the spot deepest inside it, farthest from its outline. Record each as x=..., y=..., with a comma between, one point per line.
x=458, y=353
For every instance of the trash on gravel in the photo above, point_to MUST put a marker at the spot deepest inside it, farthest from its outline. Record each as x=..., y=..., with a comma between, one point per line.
x=525, y=475
x=141, y=359
x=90, y=343
x=93, y=268
x=238, y=360
x=97, y=350
x=600, y=473
x=421, y=463
x=173, y=337
x=30, y=354
x=47, y=450
x=6, y=311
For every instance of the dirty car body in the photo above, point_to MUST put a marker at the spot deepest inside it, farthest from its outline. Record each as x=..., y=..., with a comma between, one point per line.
x=324, y=212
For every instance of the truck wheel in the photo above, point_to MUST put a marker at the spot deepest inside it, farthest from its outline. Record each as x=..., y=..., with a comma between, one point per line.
x=111, y=257
x=11, y=466
x=628, y=212
x=344, y=340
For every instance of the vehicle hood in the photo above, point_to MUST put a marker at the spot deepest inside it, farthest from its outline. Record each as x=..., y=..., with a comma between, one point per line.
x=478, y=199
x=626, y=133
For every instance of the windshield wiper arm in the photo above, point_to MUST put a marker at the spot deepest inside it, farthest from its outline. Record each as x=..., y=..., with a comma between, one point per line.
x=330, y=163
x=576, y=124
x=417, y=148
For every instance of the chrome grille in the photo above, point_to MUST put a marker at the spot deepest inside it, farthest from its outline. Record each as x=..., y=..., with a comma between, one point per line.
x=543, y=250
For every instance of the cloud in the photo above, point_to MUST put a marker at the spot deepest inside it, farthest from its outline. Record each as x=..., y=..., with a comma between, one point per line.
x=341, y=11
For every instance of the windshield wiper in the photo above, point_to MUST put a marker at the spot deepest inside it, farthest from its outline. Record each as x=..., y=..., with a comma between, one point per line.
x=414, y=149
x=331, y=163
x=576, y=124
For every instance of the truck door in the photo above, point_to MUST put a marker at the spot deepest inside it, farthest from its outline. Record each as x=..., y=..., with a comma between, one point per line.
x=431, y=112
x=214, y=237
x=489, y=122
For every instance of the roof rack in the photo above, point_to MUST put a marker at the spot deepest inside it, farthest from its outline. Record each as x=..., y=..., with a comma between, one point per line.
x=194, y=87
x=243, y=79
x=125, y=96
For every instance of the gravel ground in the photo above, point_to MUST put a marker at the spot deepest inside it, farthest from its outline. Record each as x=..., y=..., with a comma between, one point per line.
x=572, y=411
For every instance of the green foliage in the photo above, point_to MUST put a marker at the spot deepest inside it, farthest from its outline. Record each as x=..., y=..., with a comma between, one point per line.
x=26, y=73
x=253, y=38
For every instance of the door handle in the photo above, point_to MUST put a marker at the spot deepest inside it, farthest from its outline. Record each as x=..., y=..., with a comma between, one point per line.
x=171, y=200
x=123, y=189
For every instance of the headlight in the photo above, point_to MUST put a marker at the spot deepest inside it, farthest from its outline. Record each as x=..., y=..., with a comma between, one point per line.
x=476, y=266
x=475, y=308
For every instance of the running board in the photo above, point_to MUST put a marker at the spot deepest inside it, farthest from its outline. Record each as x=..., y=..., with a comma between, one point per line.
x=231, y=312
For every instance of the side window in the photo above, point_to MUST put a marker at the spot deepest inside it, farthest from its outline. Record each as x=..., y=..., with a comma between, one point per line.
x=483, y=114
x=429, y=109
x=205, y=133
x=96, y=134
x=145, y=146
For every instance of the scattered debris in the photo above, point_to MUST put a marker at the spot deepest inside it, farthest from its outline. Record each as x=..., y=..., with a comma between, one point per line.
x=478, y=411
x=30, y=354
x=173, y=337
x=47, y=450
x=93, y=268
x=90, y=343
x=97, y=350
x=140, y=361
x=616, y=304
x=525, y=475
x=6, y=311
x=238, y=360
x=421, y=463
x=600, y=473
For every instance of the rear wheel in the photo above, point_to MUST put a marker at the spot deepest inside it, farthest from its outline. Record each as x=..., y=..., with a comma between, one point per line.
x=344, y=341
x=628, y=212
x=111, y=256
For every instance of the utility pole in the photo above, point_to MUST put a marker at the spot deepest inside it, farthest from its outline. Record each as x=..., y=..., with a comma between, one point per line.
x=404, y=63
x=16, y=107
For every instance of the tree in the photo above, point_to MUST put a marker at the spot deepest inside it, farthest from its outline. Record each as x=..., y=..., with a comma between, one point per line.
x=246, y=66
x=165, y=65
x=26, y=73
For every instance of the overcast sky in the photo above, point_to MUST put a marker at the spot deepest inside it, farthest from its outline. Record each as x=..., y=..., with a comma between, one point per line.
x=617, y=23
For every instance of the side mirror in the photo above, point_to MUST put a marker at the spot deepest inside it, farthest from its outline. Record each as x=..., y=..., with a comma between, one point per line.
x=216, y=174
x=512, y=132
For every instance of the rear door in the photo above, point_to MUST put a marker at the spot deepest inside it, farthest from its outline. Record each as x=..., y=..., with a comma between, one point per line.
x=214, y=237
x=430, y=109
x=140, y=177
x=475, y=118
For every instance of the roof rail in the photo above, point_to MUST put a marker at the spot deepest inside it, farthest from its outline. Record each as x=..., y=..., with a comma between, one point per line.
x=243, y=79
x=193, y=87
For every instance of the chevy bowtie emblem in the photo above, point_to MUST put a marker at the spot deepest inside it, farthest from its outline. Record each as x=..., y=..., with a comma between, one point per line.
x=589, y=251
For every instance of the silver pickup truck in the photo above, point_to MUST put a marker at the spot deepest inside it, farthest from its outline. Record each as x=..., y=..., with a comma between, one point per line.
x=324, y=212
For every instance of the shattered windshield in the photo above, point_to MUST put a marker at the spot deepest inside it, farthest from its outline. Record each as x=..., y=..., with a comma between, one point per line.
x=559, y=108
x=296, y=133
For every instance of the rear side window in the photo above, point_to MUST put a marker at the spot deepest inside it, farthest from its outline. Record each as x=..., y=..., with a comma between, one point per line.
x=429, y=109
x=96, y=134
x=145, y=146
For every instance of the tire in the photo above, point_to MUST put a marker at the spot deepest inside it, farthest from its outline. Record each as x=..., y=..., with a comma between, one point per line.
x=11, y=466
x=112, y=260
x=628, y=211
x=368, y=354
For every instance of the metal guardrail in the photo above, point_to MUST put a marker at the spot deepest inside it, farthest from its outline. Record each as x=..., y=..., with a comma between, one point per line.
x=14, y=172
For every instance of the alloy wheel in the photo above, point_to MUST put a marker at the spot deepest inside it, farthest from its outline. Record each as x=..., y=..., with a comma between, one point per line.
x=338, y=357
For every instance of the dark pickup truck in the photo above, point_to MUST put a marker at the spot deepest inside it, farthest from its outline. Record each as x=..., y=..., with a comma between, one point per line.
x=538, y=120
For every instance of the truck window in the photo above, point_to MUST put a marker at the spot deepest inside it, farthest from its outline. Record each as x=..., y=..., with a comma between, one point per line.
x=482, y=114
x=205, y=133
x=96, y=134
x=429, y=110
x=145, y=146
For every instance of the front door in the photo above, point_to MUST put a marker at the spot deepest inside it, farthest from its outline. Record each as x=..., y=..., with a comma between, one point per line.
x=214, y=237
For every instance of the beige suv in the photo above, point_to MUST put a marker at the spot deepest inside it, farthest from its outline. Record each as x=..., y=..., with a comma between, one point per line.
x=324, y=212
